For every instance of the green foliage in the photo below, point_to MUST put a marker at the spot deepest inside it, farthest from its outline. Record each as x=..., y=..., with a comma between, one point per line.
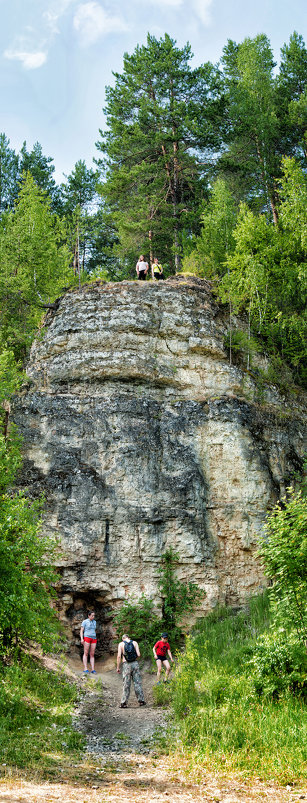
x=138, y=617
x=284, y=553
x=26, y=575
x=8, y=175
x=10, y=374
x=41, y=168
x=139, y=620
x=291, y=97
x=159, y=115
x=33, y=265
x=10, y=381
x=178, y=598
x=252, y=134
x=279, y=664
x=243, y=346
x=216, y=238
x=79, y=200
x=162, y=694
x=36, y=707
x=226, y=715
x=266, y=273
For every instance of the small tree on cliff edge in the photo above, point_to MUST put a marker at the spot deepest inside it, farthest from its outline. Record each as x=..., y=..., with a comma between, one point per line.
x=160, y=116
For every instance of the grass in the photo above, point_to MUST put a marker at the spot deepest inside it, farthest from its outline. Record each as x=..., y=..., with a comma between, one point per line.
x=36, y=708
x=222, y=721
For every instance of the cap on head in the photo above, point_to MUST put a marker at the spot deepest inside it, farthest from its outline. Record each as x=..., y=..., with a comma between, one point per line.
x=125, y=636
x=164, y=635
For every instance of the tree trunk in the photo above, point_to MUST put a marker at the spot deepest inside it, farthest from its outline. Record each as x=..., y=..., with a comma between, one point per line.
x=150, y=246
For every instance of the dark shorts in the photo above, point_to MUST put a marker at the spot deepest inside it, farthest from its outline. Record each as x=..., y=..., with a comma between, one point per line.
x=159, y=658
x=158, y=276
x=142, y=275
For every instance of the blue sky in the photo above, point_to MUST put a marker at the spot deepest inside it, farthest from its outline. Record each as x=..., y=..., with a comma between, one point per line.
x=57, y=56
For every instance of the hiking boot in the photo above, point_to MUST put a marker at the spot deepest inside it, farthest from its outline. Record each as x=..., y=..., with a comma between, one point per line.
x=123, y=705
x=142, y=702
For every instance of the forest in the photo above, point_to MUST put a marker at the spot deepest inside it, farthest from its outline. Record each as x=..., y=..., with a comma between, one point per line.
x=205, y=168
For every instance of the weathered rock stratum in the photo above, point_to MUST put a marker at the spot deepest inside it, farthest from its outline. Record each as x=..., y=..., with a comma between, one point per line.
x=141, y=436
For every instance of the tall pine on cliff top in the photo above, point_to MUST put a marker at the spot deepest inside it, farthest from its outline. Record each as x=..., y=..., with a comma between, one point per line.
x=161, y=114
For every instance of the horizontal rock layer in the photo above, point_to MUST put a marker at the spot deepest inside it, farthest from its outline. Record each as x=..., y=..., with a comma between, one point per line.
x=142, y=436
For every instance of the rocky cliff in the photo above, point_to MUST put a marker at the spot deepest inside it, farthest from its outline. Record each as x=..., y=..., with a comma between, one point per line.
x=141, y=436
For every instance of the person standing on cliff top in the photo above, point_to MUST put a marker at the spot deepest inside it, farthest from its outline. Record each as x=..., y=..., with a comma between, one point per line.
x=89, y=640
x=157, y=270
x=160, y=649
x=142, y=268
x=128, y=652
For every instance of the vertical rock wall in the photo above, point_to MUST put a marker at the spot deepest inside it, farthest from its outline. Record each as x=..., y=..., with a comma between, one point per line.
x=141, y=436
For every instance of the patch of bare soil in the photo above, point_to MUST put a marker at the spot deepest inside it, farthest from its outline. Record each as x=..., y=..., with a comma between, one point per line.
x=122, y=764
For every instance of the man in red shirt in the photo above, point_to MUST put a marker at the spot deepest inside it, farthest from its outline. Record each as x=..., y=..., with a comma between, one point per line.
x=160, y=649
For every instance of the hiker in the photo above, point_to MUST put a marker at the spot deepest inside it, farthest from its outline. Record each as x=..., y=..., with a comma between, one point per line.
x=89, y=640
x=156, y=270
x=160, y=649
x=142, y=268
x=128, y=652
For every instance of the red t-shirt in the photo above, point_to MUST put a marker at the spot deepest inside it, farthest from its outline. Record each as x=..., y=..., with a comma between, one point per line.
x=161, y=648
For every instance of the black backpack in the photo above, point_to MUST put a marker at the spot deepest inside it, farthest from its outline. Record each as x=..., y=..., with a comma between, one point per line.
x=130, y=651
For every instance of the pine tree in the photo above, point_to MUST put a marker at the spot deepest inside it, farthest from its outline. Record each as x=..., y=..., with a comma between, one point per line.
x=161, y=115
x=8, y=174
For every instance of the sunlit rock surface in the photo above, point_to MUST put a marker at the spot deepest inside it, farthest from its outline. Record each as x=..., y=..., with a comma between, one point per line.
x=141, y=436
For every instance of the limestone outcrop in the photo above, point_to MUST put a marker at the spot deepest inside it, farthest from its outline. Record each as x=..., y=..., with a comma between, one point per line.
x=141, y=436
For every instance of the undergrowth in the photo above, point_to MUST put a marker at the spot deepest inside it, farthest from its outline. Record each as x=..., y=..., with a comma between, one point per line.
x=234, y=709
x=36, y=707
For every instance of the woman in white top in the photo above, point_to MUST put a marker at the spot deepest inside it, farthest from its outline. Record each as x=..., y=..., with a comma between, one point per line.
x=142, y=268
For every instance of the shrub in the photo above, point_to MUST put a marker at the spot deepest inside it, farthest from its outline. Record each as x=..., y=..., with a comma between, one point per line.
x=139, y=620
x=279, y=664
x=284, y=553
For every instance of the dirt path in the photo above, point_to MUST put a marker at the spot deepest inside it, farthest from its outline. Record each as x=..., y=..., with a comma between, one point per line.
x=122, y=764
x=111, y=730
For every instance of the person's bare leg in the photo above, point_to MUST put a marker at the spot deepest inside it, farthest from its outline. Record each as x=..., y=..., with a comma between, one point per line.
x=167, y=667
x=92, y=656
x=85, y=655
x=159, y=667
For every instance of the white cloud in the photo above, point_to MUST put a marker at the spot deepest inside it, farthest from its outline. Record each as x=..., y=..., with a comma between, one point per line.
x=201, y=8
x=31, y=48
x=30, y=60
x=55, y=11
x=167, y=3
x=91, y=21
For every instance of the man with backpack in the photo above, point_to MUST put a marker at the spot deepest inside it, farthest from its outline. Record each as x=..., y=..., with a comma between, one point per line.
x=128, y=653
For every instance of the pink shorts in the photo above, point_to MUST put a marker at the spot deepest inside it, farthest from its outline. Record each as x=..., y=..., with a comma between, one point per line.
x=90, y=640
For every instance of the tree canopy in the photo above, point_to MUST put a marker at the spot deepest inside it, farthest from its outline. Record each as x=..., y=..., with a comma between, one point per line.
x=161, y=117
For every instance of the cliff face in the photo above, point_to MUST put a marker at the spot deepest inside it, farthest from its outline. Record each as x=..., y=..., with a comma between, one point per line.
x=142, y=436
